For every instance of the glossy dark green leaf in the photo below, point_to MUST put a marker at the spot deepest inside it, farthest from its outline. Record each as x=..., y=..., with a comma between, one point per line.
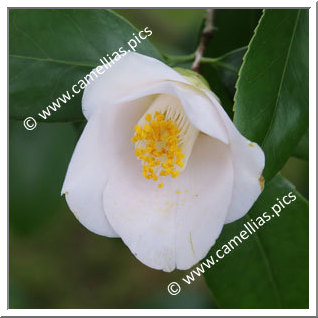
x=270, y=268
x=233, y=29
x=302, y=149
x=271, y=102
x=51, y=50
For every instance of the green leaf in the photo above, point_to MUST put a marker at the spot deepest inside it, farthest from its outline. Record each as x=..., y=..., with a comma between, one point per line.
x=51, y=50
x=270, y=268
x=302, y=149
x=221, y=73
x=232, y=29
x=271, y=102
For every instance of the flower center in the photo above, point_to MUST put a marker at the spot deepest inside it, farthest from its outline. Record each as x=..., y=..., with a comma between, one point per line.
x=164, y=139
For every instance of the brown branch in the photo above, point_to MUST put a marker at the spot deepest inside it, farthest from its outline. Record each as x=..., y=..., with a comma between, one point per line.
x=204, y=39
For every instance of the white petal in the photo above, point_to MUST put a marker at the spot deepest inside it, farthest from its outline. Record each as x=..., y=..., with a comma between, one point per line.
x=199, y=109
x=248, y=163
x=104, y=139
x=135, y=76
x=163, y=228
x=133, y=72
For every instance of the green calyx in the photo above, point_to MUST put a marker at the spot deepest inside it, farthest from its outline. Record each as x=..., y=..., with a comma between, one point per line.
x=193, y=77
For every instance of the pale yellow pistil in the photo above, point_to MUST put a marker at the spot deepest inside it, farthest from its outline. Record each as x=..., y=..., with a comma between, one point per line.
x=160, y=153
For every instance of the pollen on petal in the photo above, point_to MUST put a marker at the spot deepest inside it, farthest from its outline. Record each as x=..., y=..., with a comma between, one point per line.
x=261, y=181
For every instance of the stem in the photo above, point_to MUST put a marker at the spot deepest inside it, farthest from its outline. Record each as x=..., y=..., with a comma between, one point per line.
x=205, y=37
x=173, y=60
x=209, y=60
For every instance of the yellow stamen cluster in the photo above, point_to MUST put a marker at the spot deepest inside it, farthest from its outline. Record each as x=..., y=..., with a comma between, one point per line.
x=160, y=151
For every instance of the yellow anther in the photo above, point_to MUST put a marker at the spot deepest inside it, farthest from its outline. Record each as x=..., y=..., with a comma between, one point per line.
x=175, y=174
x=138, y=129
x=148, y=117
x=147, y=128
x=159, y=116
x=180, y=164
x=159, y=148
x=160, y=185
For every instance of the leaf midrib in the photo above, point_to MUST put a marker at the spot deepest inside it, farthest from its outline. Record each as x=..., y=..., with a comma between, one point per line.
x=50, y=60
x=281, y=81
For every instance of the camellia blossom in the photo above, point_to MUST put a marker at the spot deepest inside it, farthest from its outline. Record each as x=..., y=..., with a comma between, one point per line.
x=159, y=163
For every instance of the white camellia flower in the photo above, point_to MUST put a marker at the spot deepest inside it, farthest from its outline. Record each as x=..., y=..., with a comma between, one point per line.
x=160, y=164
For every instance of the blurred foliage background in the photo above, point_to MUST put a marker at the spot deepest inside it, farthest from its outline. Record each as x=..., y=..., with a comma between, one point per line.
x=54, y=261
